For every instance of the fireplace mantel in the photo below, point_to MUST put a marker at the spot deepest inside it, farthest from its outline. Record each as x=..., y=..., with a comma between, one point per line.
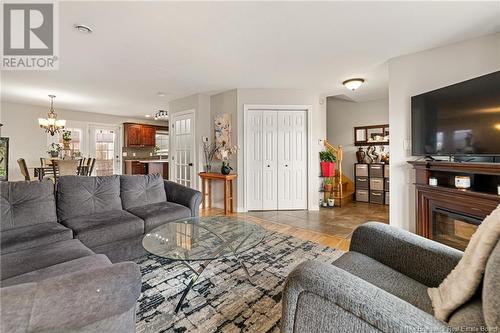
x=478, y=201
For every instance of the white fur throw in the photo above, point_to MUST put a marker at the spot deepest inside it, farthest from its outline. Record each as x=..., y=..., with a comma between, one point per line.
x=461, y=284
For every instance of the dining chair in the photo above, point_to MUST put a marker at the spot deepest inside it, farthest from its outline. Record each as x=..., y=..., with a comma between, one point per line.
x=91, y=166
x=67, y=167
x=24, y=169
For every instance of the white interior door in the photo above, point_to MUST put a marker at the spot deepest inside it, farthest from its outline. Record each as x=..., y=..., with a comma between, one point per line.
x=270, y=160
x=292, y=160
x=254, y=163
x=182, y=148
x=105, y=147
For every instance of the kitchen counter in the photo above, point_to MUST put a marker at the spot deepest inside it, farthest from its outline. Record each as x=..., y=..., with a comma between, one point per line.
x=153, y=161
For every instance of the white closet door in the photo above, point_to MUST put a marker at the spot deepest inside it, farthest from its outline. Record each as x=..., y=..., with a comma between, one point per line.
x=270, y=160
x=254, y=163
x=292, y=160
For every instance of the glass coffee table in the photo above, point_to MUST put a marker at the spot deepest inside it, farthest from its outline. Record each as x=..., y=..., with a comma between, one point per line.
x=203, y=239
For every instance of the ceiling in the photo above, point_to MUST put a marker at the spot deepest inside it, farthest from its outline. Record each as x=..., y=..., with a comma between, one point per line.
x=140, y=48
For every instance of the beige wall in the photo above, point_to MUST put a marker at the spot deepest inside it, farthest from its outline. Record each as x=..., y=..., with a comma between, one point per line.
x=29, y=141
x=341, y=118
x=200, y=104
x=225, y=102
x=415, y=74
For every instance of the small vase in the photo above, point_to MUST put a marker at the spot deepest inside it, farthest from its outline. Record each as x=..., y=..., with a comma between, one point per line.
x=66, y=145
x=225, y=169
x=54, y=154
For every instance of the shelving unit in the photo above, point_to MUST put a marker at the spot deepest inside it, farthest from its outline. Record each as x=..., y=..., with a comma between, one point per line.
x=343, y=188
x=372, y=182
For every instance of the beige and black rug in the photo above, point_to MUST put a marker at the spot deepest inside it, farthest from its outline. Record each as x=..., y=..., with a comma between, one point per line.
x=223, y=299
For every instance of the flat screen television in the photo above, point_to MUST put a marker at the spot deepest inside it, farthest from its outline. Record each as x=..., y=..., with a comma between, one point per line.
x=461, y=120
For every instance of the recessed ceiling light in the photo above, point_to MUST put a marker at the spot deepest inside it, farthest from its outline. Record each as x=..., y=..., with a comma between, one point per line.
x=83, y=28
x=161, y=94
x=353, y=84
x=148, y=116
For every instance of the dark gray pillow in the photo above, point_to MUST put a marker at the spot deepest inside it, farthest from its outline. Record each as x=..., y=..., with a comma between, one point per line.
x=79, y=195
x=26, y=203
x=142, y=190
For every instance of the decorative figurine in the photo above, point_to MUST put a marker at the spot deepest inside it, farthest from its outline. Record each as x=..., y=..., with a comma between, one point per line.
x=360, y=155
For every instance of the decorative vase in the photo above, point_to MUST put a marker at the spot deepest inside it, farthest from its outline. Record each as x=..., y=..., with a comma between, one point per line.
x=54, y=154
x=67, y=144
x=360, y=155
x=327, y=169
x=331, y=202
x=225, y=169
x=208, y=168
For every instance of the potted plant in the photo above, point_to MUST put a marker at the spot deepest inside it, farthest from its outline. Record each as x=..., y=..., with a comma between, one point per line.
x=327, y=163
x=327, y=185
x=54, y=150
x=66, y=139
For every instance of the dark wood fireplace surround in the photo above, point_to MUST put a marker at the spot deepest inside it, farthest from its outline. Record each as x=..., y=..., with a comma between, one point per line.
x=478, y=201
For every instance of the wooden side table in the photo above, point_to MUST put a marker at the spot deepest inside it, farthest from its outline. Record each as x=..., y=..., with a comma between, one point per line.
x=207, y=177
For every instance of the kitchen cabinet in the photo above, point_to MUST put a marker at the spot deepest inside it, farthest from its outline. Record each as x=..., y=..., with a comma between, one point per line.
x=139, y=135
x=135, y=168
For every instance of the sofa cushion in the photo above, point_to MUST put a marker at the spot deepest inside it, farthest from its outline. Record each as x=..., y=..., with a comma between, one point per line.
x=80, y=196
x=80, y=264
x=142, y=190
x=32, y=259
x=26, y=203
x=33, y=235
x=106, y=227
x=157, y=214
x=386, y=278
x=469, y=316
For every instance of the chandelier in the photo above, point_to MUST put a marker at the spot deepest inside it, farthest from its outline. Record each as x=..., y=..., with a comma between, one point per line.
x=51, y=124
x=161, y=114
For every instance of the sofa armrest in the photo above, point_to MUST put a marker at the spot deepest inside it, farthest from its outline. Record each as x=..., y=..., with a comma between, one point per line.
x=183, y=195
x=70, y=301
x=320, y=297
x=422, y=259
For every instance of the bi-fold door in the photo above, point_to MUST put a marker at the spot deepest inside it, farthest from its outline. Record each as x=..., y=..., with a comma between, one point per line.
x=276, y=160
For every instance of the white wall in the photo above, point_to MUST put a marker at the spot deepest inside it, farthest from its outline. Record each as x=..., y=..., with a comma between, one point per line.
x=341, y=118
x=200, y=104
x=418, y=73
x=29, y=141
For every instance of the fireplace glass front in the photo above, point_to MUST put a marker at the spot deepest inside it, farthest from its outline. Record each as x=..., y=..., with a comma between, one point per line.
x=452, y=228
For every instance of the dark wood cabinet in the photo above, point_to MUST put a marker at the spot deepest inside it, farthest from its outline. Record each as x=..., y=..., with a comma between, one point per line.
x=140, y=135
x=148, y=136
x=135, y=168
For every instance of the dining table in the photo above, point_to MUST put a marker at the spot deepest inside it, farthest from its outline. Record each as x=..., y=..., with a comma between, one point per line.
x=42, y=171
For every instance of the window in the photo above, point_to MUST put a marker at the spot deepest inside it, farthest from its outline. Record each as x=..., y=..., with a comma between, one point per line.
x=162, y=142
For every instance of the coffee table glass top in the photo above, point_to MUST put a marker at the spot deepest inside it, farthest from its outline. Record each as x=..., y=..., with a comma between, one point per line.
x=203, y=238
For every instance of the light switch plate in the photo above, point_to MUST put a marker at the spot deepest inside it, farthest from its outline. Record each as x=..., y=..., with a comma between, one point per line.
x=407, y=144
x=124, y=154
x=205, y=139
x=320, y=142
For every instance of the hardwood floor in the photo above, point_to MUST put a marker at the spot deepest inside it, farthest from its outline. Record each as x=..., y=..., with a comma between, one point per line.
x=330, y=227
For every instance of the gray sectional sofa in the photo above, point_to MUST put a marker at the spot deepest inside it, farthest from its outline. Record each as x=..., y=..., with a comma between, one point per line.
x=64, y=266
x=380, y=285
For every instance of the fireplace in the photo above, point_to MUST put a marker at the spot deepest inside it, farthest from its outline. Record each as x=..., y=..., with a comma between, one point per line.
x=450, y=215
x=453, y=228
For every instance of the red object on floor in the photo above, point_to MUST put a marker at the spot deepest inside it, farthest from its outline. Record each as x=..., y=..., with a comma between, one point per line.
x=327, y=169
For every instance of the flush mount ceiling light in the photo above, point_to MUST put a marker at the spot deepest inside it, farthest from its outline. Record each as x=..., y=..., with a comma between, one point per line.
x=161, y=94
x=353, y=84
x=148, y=116
x=51, y=124
x=161, y=115
x=83, y=28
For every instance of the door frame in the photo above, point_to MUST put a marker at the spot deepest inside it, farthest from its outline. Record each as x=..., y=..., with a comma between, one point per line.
x=171, y=152
x=279, y=107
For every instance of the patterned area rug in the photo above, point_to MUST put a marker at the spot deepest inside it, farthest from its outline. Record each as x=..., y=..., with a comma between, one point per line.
x=223, y=299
